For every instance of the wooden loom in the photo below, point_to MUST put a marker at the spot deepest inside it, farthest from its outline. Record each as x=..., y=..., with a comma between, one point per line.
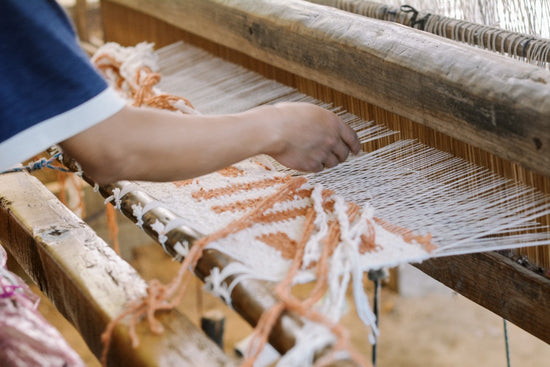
x=296, y=39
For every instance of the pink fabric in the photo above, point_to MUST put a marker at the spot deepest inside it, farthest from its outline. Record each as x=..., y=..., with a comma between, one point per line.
x=26, y=338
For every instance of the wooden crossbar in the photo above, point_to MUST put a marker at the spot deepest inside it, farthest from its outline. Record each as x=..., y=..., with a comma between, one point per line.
x=87, y=282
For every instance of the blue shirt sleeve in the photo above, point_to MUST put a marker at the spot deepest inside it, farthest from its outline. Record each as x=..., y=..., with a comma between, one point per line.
x=43, y=70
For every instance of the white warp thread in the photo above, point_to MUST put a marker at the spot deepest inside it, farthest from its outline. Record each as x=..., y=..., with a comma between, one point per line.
x=410, y=185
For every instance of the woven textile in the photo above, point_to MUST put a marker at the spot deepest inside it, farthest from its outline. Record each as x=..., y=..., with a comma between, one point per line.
x=275, y=224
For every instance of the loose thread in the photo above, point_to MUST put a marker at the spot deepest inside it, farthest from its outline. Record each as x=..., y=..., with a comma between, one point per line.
x=304, y=307
x=166, y=297
x=40, y=164
x=53, y=163
x=142, y=92
x=375, y=276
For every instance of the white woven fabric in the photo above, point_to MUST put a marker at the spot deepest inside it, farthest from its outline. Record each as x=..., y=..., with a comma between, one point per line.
x=407, y=182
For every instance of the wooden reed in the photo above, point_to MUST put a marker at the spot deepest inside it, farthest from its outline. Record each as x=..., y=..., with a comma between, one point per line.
x=129, y=27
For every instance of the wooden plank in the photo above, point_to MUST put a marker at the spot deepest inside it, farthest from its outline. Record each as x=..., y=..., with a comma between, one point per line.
x=500, y=285
x=87, y=281
x=473, y=95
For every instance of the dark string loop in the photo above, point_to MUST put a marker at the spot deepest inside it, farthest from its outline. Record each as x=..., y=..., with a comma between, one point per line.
x=413, y=22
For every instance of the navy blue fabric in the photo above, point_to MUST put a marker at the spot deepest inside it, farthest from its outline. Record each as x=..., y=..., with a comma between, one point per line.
x=43, y=71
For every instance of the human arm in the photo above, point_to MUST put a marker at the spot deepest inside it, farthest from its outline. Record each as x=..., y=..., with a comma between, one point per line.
x=155, y=145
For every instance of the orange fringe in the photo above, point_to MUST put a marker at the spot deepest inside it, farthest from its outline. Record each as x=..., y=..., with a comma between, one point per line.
x=112, y=226
x=146, y=80
x=304, y=308
x=166, y=297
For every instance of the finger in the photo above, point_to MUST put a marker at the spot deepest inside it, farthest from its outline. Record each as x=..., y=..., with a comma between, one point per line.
x=349, y=136
x=330, y=161
x=341, y=151
x=317, y=167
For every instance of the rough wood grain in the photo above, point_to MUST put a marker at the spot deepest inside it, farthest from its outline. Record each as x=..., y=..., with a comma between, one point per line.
x=474, y=95
x=87, y=281
x=500, y=285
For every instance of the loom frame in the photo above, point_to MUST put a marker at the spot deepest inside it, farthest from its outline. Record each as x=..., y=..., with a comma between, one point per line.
x=489, y=279
x=501, y=106
x=53, y=245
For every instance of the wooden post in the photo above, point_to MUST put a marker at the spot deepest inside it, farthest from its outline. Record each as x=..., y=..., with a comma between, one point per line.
x=81, y=20
x=213, y=325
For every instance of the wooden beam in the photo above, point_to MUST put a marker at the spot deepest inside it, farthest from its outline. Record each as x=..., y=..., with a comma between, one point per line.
x=476, y=96
x=88, y=282
x=500, y=285
x=484, y=36
x=80, y=12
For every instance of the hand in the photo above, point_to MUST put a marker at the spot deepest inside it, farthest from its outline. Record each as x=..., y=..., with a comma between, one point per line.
x=155, y=145
x=308, y=137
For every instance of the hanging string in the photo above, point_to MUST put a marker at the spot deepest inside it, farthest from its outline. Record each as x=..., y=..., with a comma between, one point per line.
x=62, y=175
x=376, y=276
x=506, y=342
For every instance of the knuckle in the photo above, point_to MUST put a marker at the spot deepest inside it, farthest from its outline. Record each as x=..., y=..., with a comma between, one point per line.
x=331, y=141
x=343, y=153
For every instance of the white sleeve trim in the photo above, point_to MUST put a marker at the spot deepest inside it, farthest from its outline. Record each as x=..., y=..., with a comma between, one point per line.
x=41, y=136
